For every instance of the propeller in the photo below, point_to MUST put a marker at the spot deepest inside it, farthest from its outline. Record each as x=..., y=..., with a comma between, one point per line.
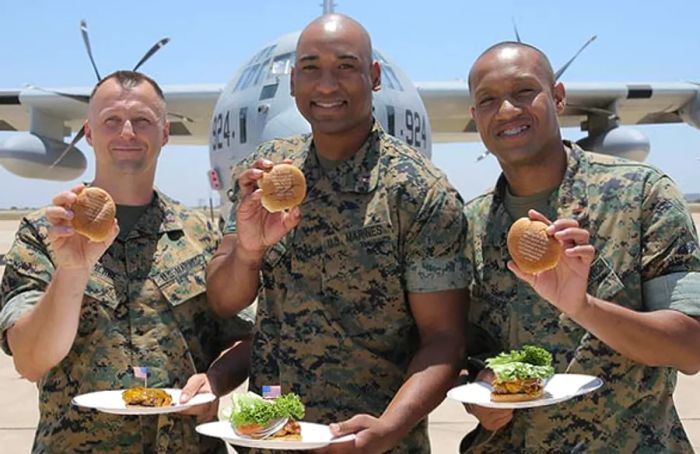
x=86, y=41
x=155, y=48
x=84, y=98
x=515, y=30
x=561, y=70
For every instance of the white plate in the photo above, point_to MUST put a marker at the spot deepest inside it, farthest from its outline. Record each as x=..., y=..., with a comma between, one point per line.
x=559, y=388
x=112, y=402
x=312, y=436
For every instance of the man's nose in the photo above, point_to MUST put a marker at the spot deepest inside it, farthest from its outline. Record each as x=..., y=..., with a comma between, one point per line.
x=328, y=82
x=127, y=130
x=508, y=108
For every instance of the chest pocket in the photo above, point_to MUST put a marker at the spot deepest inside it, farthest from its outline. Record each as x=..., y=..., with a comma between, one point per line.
x=99, y=304
x=183, y=281
x=362, y=281
x=603, y=282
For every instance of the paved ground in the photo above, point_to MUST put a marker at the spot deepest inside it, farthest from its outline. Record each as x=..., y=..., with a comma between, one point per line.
x=448, y=423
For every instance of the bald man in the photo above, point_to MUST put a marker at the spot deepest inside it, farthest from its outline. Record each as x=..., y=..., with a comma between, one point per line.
x=359, y=301
x=630, y=317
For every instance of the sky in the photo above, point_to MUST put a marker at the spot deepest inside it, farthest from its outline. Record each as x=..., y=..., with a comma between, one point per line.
x=434, y=40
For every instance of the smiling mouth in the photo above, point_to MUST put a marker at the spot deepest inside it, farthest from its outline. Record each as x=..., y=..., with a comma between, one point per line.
x=328, y=104
x=513, y=132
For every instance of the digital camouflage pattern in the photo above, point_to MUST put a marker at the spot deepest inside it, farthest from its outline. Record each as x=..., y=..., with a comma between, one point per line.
x=145, y=305
x=333, y=322
x=641, y=229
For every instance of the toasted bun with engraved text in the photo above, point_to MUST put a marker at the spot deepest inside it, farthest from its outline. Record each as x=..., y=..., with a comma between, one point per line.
x=531, y=248
x=283, y=187
x=93, y=214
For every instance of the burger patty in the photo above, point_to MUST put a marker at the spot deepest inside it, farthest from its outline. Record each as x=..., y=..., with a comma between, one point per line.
x=529, y=386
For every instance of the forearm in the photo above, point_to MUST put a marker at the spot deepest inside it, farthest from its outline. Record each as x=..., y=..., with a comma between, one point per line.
x=233, y=277
x=431, y=374
x=43, y=337
x=659, y=338
x=230, y=369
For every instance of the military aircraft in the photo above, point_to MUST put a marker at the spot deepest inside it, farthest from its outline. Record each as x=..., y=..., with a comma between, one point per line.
x=255, y=106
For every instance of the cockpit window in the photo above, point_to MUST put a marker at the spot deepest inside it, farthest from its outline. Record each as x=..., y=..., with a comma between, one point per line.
x=282, y=64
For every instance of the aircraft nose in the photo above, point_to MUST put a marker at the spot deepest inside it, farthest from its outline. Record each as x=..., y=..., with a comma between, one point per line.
x=287, y=123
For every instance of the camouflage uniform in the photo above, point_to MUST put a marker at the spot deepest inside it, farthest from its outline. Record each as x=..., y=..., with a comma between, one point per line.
x=144, y=305
x=641, y=230
x=333, y=321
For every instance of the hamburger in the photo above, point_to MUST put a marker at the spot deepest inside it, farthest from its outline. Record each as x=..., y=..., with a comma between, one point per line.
x=520, y=375
x=531, y=248
x=93, y=214
x=251, y=415
x=283, y=187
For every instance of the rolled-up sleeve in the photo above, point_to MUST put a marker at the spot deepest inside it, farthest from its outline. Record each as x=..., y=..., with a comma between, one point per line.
x=676, y=291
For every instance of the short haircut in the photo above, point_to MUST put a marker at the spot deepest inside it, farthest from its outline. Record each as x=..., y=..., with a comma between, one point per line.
x=549, y=72
x=129, y=79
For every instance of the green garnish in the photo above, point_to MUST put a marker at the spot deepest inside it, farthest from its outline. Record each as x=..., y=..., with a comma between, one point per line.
x=252, y=409
x=529, y=362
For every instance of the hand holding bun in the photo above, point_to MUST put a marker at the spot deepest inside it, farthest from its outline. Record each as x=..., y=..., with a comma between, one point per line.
x=93, y=214
x=532, y=249
x=283, y=187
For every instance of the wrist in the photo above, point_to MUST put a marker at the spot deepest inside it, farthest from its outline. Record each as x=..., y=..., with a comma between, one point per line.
x=76, y=272
x=250, y=257
x=583, y=310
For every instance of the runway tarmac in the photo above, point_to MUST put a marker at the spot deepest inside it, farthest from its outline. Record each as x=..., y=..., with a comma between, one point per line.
x=448, y=423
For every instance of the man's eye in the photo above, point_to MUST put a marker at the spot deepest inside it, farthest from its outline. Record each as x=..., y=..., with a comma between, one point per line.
x=345, y=66
x=485, y=101
x=309, y=67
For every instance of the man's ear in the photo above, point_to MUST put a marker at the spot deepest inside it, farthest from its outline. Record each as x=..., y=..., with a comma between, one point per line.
x=559, y=97
x=166, y=132
x=376, y=72
x=291, y=82
x=88, y=133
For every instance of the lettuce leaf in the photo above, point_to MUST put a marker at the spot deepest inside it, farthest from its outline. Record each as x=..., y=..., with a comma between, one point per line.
x=528, y=362
x=250, y=408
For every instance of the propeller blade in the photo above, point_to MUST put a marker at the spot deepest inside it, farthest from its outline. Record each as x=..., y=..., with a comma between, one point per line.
x=156, y=47
x=70, y=146
x=86, y=40
x=79, y=98
x=483, y=155
x=561, y=70
x=515, y=29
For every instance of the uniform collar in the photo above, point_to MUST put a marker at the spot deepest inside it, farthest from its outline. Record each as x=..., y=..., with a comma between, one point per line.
x=161, y=216
x=359, y=173
x=571, y=195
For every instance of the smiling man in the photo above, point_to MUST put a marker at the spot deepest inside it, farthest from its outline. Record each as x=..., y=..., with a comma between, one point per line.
x=359, y=301
x=630, y=317
x=78, y=316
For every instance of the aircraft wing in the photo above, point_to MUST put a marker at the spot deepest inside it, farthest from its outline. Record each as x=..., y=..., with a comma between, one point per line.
x=50, y=114
x=448, y=105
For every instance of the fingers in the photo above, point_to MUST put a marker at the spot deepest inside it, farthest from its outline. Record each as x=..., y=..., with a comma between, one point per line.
x=291, y=218
x=526, y=277
x=194, y=384
x=248, y=180
x=352, y=425
x=537, y=216
x=490, y=418
x=58, y=215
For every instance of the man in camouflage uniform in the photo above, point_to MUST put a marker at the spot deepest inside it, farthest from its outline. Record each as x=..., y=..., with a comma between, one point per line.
x=78, y=315
x=630, y=317
x=359, y=289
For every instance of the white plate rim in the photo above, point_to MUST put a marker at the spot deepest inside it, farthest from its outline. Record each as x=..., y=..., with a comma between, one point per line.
x=237, y=440
x=592, y=384
x=83, y=400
